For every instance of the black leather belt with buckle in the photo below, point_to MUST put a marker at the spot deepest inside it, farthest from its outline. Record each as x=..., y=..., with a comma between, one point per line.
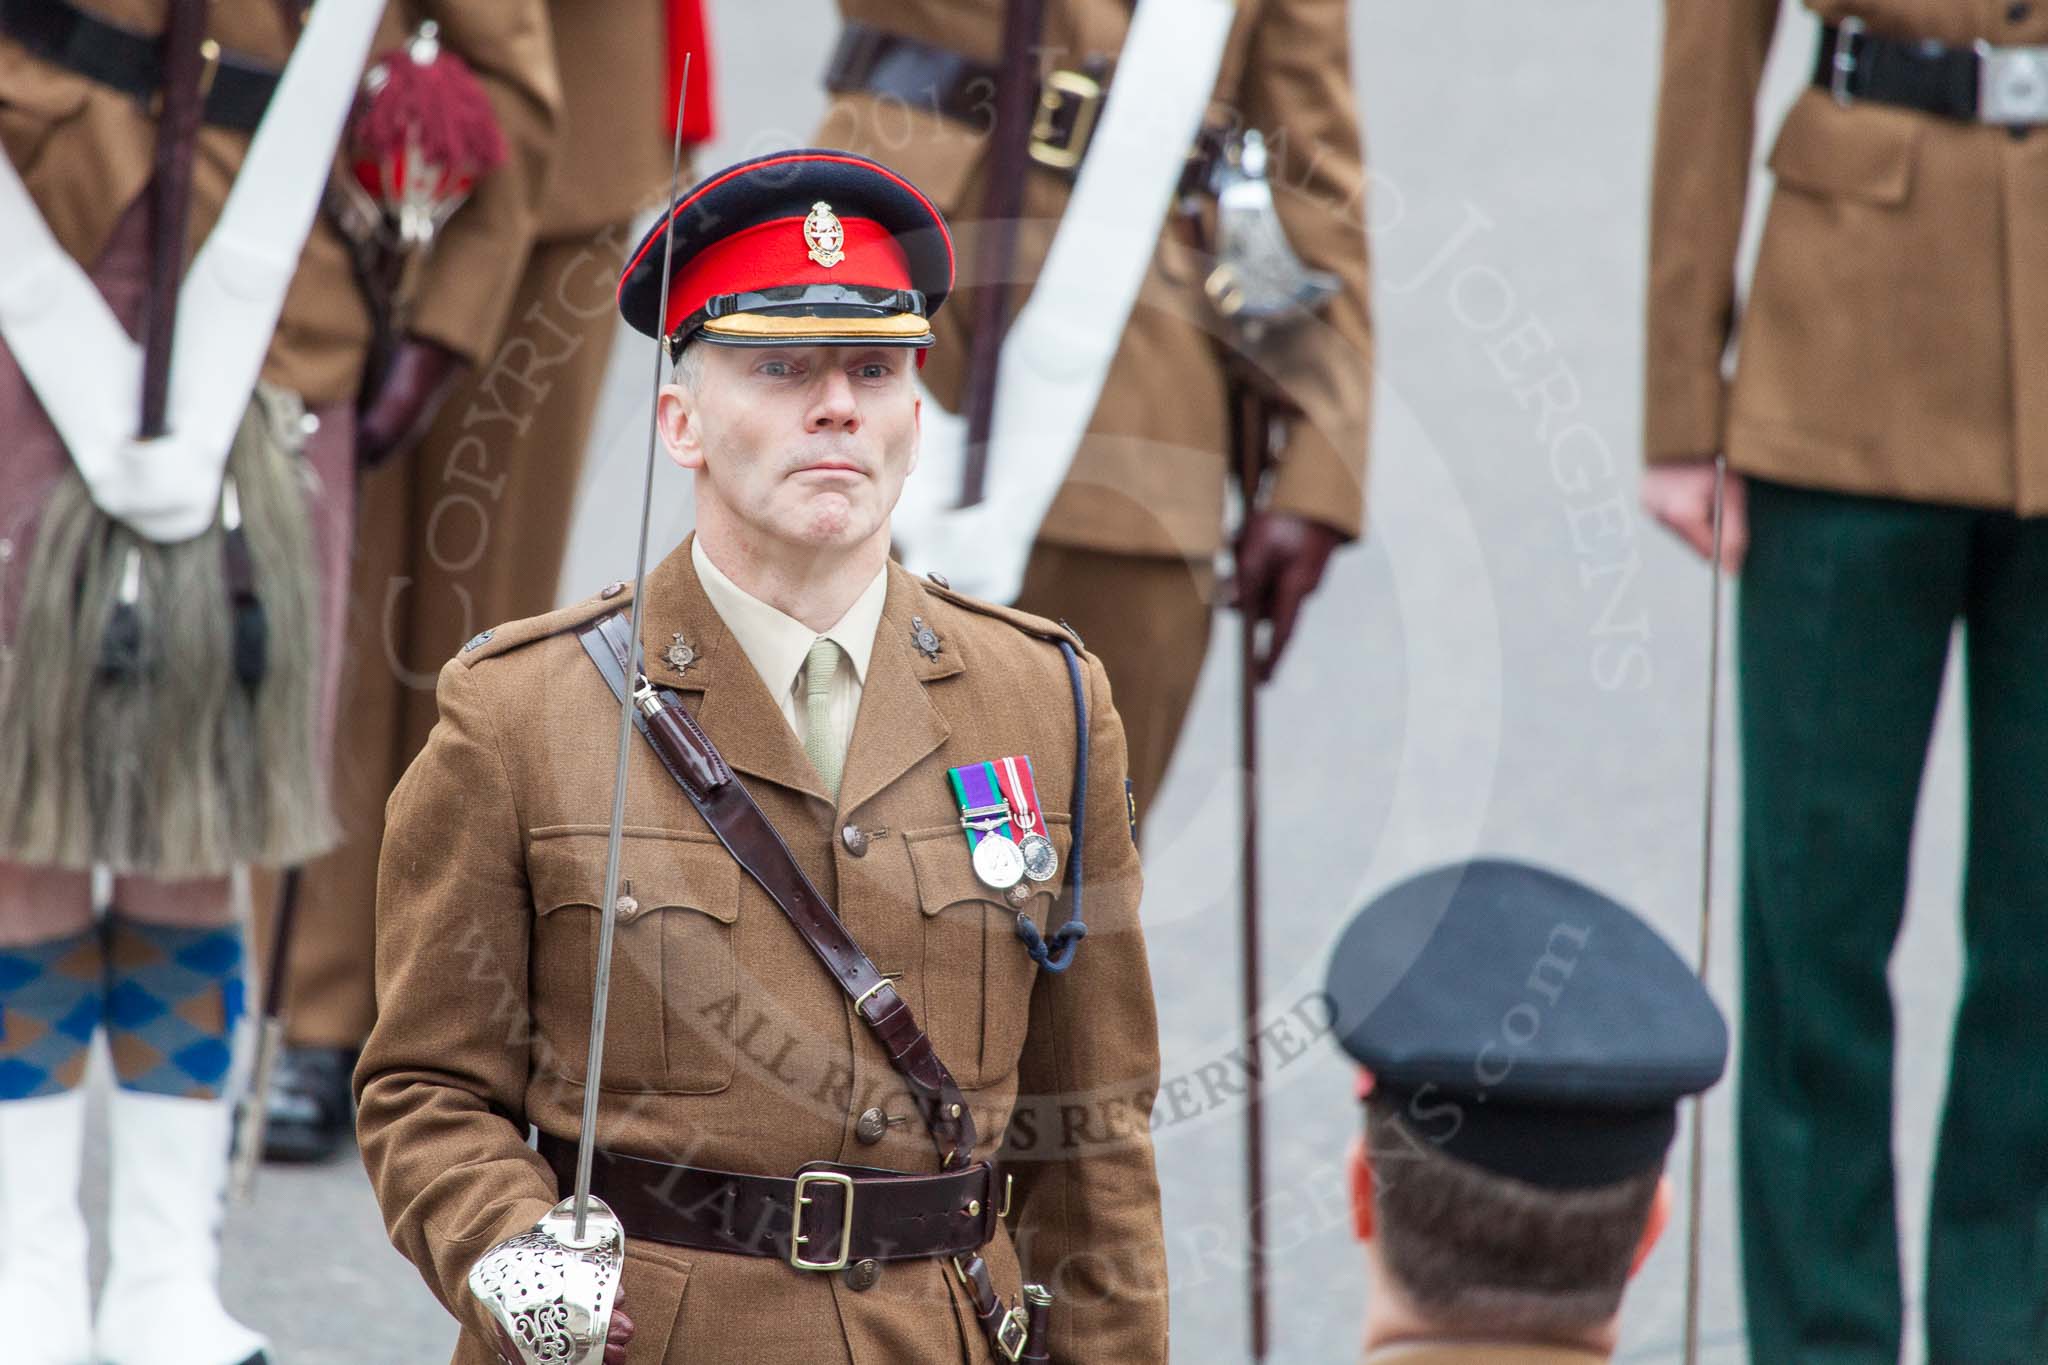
x=935, y=80
x=1981, y=83
x=237, y=89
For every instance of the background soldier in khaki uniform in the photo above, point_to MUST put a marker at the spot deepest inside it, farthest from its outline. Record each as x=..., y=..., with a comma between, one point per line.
x=1887, y=433
x=841, y=689
x=164, y=974
x=469, y=529
x=1126, y=552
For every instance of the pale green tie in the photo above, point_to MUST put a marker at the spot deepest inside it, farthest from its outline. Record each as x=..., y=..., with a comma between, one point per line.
x=820, y=744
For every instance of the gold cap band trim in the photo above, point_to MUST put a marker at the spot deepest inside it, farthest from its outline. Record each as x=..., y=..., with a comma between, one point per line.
x=900, y=327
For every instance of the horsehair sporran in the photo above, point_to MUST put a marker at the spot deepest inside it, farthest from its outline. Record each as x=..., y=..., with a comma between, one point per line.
x=172, y=767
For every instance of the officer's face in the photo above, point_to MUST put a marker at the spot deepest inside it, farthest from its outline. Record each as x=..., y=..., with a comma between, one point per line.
x=808, y=445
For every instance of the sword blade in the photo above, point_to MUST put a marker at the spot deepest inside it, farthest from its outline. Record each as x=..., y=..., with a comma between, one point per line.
x=1696, y=1183
x=601, y=988
x=1253, y=434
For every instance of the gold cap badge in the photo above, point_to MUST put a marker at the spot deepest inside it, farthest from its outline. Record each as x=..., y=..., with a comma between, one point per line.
x=825, y=236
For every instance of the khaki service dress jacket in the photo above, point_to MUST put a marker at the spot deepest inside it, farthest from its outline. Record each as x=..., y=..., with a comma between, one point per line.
x=728, y=1045
x=85, y=152
x=1896, y=334
x=1150, y=476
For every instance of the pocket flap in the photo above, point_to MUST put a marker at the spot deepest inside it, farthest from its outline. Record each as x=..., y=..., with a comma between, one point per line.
x=668, y=869
x=1864, y=152
x=945, y=869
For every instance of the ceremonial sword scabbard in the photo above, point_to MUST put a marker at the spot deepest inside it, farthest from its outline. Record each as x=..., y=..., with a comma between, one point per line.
x=549, y=1293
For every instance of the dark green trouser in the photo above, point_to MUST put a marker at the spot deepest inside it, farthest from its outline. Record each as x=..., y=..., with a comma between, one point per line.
x=1847, y=606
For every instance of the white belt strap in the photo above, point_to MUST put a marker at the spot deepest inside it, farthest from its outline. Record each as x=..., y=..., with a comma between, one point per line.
x=1058, y=354
x=88, y=373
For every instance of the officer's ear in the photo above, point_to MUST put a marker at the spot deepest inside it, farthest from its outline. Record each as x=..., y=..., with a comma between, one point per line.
x=675, y=410
x=1653, y=1228
x=1362, y=1190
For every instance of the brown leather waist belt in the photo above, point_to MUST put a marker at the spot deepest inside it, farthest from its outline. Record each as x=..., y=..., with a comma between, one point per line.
x=824, y=1218
x=931, y=78
x=236, y=89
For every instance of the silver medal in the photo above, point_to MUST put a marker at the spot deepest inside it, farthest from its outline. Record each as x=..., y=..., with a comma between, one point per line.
x=998, y=861
x=1041, y=859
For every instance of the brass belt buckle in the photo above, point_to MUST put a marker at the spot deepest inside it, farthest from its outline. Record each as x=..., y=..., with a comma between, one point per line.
x=1061, y=86
x=797, y=1238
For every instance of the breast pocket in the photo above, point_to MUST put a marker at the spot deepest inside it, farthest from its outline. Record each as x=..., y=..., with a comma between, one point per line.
x=674, y=981
x=976, y=974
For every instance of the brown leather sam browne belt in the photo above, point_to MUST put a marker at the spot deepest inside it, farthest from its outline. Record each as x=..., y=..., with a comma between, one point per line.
x=824, y=1218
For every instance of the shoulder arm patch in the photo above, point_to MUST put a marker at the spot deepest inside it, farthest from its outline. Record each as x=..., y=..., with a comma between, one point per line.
x=501, y=639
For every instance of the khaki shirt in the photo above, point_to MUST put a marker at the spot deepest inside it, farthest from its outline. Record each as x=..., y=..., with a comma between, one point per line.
x=85, y=151
x=729, y=1046
x=779, y=645
x=1895, y=340
x=1150, y=475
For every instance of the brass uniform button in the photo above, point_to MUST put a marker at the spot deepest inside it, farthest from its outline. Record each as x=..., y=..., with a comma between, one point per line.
x=612, y=590
x=1018, y=894
x=871, y=1125
x=856, y=840
x=939, y=579
x=628, y=908
x=862, y=1276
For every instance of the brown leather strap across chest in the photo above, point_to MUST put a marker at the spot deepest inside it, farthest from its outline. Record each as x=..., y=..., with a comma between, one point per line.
x=729, y=808
x=824, y=1218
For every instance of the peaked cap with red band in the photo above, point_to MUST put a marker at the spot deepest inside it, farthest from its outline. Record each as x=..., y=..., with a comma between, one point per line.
x=802, y=248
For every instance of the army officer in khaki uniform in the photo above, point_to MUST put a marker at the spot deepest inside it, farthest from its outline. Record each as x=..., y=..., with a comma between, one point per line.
x=1126, y=552
x=1887, y=432
x=863, y=709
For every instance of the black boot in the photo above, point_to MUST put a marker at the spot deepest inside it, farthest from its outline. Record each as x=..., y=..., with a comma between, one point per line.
x=312, y=1114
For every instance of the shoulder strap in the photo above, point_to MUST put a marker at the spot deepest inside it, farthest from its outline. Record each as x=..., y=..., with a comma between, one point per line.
x=755, y=844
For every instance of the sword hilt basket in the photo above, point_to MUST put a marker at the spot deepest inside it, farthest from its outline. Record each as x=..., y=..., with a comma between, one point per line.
x=549, y=1294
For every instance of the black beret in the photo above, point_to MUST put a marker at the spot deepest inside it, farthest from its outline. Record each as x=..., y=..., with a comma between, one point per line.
x=1525, y=1022
x=808, y=247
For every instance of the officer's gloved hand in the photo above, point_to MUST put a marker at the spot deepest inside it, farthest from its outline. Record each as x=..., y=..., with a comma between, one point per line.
x=1280, y=561
x=398, y=411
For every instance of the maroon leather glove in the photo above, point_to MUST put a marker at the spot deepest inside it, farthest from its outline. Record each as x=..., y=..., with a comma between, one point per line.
x=1280, y=561
x=397, y=413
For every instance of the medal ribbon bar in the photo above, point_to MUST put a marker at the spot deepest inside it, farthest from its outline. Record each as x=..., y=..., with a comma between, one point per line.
x=983, y=810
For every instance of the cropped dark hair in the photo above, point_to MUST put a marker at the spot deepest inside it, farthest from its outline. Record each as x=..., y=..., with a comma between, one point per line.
x=1483, y=1252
